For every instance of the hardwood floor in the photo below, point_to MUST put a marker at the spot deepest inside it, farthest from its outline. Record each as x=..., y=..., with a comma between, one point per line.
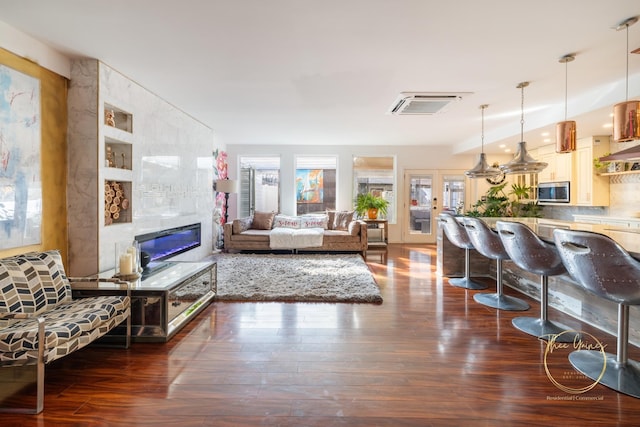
x=428, y=356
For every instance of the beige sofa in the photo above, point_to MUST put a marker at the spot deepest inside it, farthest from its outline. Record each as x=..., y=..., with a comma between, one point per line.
x=339, y=234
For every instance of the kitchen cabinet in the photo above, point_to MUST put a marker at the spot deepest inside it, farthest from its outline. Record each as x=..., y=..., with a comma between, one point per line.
x=560, y=165
x=592, y=189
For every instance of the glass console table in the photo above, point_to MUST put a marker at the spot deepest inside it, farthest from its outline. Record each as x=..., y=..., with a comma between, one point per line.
x=162, y=302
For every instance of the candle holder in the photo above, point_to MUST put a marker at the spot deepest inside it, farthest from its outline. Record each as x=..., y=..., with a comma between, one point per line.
x=128, y=260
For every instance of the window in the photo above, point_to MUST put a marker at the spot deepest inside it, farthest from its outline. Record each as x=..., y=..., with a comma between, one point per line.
x=315, y=184
x=259, y=185
x=375, y=175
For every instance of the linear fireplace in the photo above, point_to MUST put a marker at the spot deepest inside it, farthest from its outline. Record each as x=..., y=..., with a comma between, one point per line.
x=162, y=245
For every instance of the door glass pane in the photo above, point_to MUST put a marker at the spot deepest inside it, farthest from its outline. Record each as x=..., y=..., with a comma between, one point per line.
x=453, y=193
x=421, y=197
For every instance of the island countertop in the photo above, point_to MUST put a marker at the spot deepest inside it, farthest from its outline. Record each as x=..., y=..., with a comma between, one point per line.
x=628, y=238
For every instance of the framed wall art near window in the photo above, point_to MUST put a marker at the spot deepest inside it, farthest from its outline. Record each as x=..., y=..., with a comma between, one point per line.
x=20, y=175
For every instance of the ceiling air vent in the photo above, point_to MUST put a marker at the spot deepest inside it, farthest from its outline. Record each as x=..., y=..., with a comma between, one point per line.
x=424, y=103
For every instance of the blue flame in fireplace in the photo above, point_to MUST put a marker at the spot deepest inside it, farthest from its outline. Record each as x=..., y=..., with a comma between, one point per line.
x=162, y=245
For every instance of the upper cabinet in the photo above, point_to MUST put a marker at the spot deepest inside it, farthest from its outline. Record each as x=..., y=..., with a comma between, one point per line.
x=560, y=166
x=587, y=187
x=592, y=189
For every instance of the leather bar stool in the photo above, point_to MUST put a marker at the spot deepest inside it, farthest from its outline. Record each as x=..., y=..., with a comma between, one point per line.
x=457, y=234
x=488, y=243
x=530, y=253
x=602, y=267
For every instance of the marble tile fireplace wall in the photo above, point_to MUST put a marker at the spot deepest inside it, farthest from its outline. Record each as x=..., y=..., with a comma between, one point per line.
x=162, y=166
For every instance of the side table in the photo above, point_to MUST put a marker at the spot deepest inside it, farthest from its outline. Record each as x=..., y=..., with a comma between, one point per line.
x=377, y=237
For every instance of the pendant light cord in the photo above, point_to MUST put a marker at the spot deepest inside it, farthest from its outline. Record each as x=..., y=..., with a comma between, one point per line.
x=566, y=86
x=626, y=54
x=522, y=86
x=482, y=107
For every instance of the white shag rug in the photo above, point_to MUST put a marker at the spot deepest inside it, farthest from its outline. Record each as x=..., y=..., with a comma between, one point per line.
x=305, y=278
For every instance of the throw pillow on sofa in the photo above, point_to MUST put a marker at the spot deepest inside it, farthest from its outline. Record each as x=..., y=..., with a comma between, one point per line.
x=241, y=224
x=263, y=220
x=286, y=221
x=315, y=221
x=342, y=219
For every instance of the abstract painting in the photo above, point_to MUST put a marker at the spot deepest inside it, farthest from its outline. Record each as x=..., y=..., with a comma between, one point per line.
x=20, y=179
x=309, y=186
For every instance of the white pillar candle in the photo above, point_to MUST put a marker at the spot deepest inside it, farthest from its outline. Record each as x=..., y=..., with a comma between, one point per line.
x=125, y=264
x=134, y=261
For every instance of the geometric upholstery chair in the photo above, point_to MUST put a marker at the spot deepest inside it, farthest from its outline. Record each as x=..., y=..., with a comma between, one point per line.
x=530, y=253
x=457, y=235
x=605, y=269
x=488, y=243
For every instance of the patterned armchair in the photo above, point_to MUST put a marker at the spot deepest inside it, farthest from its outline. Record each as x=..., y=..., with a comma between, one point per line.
x=39, y=320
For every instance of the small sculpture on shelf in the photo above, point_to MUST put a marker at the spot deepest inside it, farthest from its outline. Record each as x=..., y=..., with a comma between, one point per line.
x=110, y=160
x=110, y=118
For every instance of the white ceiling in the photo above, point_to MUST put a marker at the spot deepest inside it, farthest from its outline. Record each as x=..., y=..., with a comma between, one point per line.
x=327, y=71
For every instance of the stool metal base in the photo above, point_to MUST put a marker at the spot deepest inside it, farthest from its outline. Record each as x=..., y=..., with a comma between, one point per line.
x=543, y=329
x=624, y=378
x=501, y=302
x=467, y=283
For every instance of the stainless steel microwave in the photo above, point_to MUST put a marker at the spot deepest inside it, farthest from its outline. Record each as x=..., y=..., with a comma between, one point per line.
x=554, y=192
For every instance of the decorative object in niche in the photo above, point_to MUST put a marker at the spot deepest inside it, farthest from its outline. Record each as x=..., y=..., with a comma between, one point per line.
x=115, y=201
x=110, y=161
x=110, y=118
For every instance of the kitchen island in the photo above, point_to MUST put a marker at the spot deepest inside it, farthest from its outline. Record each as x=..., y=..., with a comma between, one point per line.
x=564, y=294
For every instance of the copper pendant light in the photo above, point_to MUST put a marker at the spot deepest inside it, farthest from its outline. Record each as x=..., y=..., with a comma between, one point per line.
x=482, y=169
x=626, y=115
x=522, y=162
x=566, y=131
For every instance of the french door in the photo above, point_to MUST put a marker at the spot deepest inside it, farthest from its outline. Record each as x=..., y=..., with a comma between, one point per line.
x=426, y=194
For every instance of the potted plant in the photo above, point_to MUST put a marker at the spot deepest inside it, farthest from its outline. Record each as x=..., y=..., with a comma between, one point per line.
x=372, y=205
x=599, y=166
x=497, y=203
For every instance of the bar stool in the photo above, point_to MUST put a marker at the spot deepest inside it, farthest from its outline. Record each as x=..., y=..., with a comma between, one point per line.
x=602, y=267
x=457, y=234
x=530, y=253
x=488, y=243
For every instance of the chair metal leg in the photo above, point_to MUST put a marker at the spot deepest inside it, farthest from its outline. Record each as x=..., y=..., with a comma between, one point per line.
x=542, y=327
x=499, y=300
x=39, y=376
x=466, y=281
x=620, y=374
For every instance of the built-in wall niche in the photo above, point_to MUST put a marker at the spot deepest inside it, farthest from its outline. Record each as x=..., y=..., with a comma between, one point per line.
x=117, y=154
x=120, y=119
x=117, y=202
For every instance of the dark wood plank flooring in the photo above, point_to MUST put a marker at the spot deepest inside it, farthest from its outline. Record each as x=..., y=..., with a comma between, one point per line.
x=428, y=356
